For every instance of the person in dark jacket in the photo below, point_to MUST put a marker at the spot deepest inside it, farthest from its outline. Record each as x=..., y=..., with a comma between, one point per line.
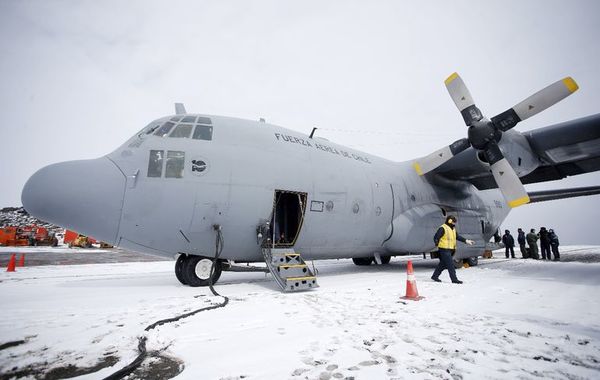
x=445, y=239
x=521, y=241
x=545, y=244
x=554, y=244
x=532, y=239
x=509, y=243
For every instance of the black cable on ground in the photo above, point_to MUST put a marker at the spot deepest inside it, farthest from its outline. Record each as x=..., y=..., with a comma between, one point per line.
x=127, y=370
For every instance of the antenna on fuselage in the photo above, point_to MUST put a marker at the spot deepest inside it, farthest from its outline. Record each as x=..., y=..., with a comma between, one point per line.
x=180, y=109
x=313, y=132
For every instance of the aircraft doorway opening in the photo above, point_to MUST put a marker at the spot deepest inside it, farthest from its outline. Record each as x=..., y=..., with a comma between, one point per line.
x=288, y=216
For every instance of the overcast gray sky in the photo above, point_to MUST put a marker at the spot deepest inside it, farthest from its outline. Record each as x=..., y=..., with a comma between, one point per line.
x=77, y=78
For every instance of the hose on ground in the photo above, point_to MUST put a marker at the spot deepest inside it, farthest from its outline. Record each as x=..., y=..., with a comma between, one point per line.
x=142, y=339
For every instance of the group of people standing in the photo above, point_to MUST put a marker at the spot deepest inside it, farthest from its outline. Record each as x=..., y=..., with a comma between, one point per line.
x=446, y=237
x=548, y=242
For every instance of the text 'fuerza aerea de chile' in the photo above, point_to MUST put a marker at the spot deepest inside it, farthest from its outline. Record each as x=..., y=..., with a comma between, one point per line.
x=325, y=148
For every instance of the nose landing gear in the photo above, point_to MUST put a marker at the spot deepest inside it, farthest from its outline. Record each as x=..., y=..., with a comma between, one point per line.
x=196, y=270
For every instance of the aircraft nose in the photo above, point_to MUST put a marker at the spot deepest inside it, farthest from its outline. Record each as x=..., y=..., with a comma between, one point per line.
x=85, y=196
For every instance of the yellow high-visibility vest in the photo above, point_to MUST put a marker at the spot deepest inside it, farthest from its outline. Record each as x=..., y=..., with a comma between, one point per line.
x=448, y=240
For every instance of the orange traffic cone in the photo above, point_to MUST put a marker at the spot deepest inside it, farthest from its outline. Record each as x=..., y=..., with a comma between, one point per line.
x=411, y=284
x=11, y=263
x=22, y=260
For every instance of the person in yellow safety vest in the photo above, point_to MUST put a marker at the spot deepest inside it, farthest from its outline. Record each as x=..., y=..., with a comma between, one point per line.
x=445, y=239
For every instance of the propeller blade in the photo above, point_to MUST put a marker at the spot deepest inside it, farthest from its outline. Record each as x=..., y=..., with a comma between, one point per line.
x=536, y=103
x=462, y=98
x=507, y=180
x=437, y=158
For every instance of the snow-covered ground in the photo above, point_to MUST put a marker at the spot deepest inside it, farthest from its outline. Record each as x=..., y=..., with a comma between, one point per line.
x=510, y=319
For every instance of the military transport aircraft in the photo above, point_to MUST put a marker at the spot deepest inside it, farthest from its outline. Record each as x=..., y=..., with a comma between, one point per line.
x=207, y=189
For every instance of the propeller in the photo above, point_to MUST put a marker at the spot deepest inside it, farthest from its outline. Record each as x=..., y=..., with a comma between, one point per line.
x=484, y=134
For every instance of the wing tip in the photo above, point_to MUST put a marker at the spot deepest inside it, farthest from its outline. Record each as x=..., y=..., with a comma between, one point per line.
x=452, y=77
x=519, y=202
x=570, y=84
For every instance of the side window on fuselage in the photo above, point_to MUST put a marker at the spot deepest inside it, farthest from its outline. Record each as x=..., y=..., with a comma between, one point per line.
x=155, y=163
x=175, y=164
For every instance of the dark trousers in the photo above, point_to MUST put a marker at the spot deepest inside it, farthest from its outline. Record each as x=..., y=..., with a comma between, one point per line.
x=512, y=251
x=546, y=252
x=523, y=249
x=445, y=263
x=555, y=251
x=533, y=252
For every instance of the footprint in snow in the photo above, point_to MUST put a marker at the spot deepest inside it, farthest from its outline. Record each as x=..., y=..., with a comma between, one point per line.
x=300, y=371
x=368, y=363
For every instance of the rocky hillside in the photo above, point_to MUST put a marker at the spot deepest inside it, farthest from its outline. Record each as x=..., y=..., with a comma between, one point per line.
x=18, y=217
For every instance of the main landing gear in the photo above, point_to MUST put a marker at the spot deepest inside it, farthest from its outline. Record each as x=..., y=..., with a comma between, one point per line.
x=195, y=270
x=471, y=261
x=363, y=261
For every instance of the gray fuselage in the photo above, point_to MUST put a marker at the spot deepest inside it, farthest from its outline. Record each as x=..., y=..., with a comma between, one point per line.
x=357, y=204
x=163, y=195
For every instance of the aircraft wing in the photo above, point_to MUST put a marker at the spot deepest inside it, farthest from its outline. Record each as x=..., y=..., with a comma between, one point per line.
x=562, y=150
x=550, y=195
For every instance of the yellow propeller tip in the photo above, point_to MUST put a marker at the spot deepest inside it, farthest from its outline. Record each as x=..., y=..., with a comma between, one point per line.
x=418, y=168
x=570, y=84
x=452, y=77
x=519, y=202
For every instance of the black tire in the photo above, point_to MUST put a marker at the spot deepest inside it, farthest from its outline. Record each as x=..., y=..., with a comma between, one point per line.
x=385, y=259
x=458, y=263
x=473, y=261
x=195, y=265
x=362, y=261
x=179, y=268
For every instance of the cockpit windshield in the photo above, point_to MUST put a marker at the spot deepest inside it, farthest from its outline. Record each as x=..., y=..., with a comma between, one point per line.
x=183, y=126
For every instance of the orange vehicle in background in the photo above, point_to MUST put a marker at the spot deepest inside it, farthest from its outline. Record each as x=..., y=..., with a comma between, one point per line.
x=75, y=239
x=41, y=236
x=13, y=236
x=26, y=236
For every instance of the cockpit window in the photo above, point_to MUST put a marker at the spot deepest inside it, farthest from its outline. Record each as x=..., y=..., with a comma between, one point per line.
x=155, y=163
x=182, y=131
x=152, y=129
x=203, y=132
x=164, y=130
x=175, y=164
x=182, y=127
x=188, y=119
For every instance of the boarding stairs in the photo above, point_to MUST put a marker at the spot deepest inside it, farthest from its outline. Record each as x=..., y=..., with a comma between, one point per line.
x=289, y=269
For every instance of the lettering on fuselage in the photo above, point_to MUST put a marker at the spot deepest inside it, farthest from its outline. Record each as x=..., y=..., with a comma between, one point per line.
x=325, y=148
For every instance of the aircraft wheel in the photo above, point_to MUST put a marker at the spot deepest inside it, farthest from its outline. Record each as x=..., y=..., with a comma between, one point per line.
x=362, y=261
x=458, y=263
x=179, y=268
x=385, y=259
x=196, y=271
x=473, y=261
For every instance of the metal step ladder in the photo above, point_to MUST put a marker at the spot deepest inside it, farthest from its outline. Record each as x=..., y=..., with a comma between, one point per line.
x=289, y=269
